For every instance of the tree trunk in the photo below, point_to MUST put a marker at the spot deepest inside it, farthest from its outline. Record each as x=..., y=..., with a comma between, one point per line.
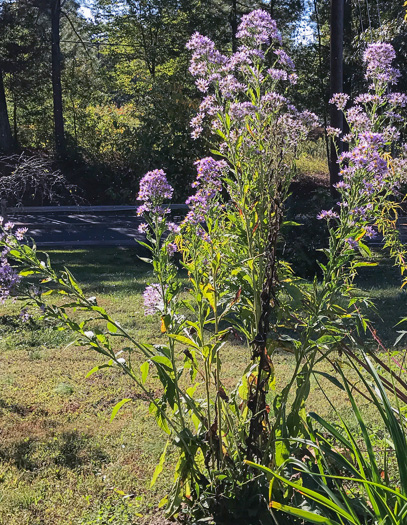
x=15, y=125
x=56, y=78
x=6, y=138
x=337, y=20
x=233, y=24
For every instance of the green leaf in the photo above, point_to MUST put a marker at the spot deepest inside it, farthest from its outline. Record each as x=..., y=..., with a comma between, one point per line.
x=72, y=281
x=145, y=245
x=364, y=250
x=360, y=264
x=111, y=327
x=158, y=413
x=159, y=467
x=331, y=378
x=291, y=223
x=146, y=260
x=144, y=368
x=27, y=272
x=304, y=514
x=118, y=407
x=162, y=360
x=184, y=340
x=312, y=494
x=97, y=368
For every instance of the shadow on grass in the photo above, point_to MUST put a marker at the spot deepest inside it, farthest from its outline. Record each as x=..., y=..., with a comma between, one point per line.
x=383, y=285
x=105, y=270
x=20, y=410
x=69, y=449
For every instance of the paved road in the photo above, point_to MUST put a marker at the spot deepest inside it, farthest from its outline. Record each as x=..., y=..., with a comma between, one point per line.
x=96, y=228
x=76, y=229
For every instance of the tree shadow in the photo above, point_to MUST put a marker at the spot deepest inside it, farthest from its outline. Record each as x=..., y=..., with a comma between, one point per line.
x=70, y=449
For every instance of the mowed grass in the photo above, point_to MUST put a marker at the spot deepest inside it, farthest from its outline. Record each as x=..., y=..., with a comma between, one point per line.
x=61, y=459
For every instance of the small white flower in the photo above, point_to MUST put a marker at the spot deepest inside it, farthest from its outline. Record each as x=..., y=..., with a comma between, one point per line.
x=89, y=334
x=92, y=299
x=121, y=361
x=42, y=263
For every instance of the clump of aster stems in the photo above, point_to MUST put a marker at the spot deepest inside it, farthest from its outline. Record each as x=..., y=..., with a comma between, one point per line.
x=371, y=171
x=246, y=107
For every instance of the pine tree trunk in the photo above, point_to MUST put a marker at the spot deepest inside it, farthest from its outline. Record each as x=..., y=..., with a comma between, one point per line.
x=56, y=78
x=6, y=138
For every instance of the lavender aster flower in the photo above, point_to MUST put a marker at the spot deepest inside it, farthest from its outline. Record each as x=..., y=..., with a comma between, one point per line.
x=333, y=132
x=340, y=100
x=277, y=74
x=327, y=214
x=143, y=228
x=24, y=315
x=284, y=59
x=209, y=182
x=398, y=99
x=258, y=28
x=171, y=248
x=230, y=85
x=174, y=228
x=370, y=232
x=202, y=84
x=240, y=110
x=20, y=233
x=9, y=279
x=153, y=300
x=378, y=59
x=293, y=78
x=351, y=243
x=154, y=189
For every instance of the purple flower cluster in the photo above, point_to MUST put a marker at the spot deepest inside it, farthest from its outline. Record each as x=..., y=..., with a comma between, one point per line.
x=340, y=100
x=154, y=189
x=153, y=300
x=143, y=228
x=173, y=228
x=368, y=173
x=223, y=79
x=398, y=99
x=333, y=132
x=258, y=28
x=209, y=184
x=9, y=278
x=366, y=160
x=284, y=59
x=358, y=119
x=378, y=59
x=171, y=248
x=240, y=110
x=327, y=214
x=369, y=98
x=206, y=59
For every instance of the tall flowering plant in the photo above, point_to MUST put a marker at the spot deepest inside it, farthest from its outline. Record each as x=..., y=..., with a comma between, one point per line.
x=245, y=105
x=227, y=245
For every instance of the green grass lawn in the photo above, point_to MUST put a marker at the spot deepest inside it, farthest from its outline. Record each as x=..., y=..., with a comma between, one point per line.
x=61, y=461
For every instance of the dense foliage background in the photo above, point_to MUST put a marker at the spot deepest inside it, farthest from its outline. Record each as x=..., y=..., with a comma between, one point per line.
x=127, y=95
